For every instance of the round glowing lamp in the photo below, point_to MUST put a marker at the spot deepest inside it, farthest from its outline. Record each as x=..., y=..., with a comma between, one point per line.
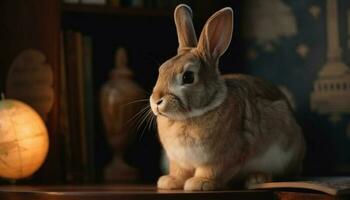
x=24, y=140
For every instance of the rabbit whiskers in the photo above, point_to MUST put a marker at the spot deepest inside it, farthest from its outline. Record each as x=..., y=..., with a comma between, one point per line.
x=144, y=115
x=144, y=119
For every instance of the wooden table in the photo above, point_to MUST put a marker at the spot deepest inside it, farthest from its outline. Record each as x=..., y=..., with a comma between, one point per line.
x=135, y=192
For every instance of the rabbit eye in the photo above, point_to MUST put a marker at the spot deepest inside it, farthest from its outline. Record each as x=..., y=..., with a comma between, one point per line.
x=187, y=77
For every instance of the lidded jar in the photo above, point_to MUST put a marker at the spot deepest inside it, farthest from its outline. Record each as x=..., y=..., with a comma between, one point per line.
x=120, y=102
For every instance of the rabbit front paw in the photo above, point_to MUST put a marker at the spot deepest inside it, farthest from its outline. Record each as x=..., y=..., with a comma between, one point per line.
x=169, y=182
x=198, y=184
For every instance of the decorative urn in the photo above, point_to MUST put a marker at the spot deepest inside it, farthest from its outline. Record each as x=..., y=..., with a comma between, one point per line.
x=120, y=102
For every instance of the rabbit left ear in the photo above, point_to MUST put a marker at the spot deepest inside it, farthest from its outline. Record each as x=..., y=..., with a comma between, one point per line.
x=216, y=34
x=184, y=26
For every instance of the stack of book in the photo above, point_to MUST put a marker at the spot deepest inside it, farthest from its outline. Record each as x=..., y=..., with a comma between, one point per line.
x=77, y=106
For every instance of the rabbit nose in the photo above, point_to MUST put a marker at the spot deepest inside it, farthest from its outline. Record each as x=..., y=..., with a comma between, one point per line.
x=160, y=101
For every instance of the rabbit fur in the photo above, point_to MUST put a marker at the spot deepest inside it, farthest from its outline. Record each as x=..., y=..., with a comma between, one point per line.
x=216, y=129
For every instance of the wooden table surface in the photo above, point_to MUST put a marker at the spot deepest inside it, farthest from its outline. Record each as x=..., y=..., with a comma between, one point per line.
x=135, y=192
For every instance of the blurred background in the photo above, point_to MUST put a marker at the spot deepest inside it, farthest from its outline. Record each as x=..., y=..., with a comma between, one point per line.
x=104, y=57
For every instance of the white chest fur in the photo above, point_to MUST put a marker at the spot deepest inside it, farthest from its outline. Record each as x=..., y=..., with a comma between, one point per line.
x=183, y=148
x=187, y=155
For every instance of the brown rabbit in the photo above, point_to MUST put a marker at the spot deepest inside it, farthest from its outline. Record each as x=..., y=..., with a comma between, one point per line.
x=215, y=128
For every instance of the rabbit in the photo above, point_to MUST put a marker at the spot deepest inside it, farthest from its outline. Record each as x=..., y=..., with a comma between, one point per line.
x=216, y=129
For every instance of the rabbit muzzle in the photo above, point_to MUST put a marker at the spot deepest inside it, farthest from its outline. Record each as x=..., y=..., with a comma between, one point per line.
x=168, y=105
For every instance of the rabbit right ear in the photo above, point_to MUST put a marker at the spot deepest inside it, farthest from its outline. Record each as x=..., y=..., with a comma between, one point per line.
x=184, y=27
x=216, y=35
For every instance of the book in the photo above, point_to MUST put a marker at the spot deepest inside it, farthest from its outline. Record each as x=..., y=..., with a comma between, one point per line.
x=80, y=102
x=329, y=185
x=64, y=126
x=75, y=93
x=89, y=105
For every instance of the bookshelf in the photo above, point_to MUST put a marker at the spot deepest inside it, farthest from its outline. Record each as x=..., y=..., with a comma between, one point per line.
x=148, y=34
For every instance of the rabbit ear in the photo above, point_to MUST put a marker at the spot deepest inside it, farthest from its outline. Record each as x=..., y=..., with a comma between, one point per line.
x=184, y=26
x=216, y=34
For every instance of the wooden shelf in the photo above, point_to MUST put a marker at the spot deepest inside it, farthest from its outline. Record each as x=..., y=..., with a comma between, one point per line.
x=109, y=10
x=131, y=192
x=145, y=192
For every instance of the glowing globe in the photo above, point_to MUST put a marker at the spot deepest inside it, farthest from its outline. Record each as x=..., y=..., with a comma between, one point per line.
x=23, y=140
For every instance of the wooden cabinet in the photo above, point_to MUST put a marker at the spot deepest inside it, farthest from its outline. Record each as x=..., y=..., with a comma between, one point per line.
x=34, y=24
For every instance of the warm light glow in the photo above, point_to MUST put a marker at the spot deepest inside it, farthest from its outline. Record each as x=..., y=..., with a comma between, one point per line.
x=23, y=140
